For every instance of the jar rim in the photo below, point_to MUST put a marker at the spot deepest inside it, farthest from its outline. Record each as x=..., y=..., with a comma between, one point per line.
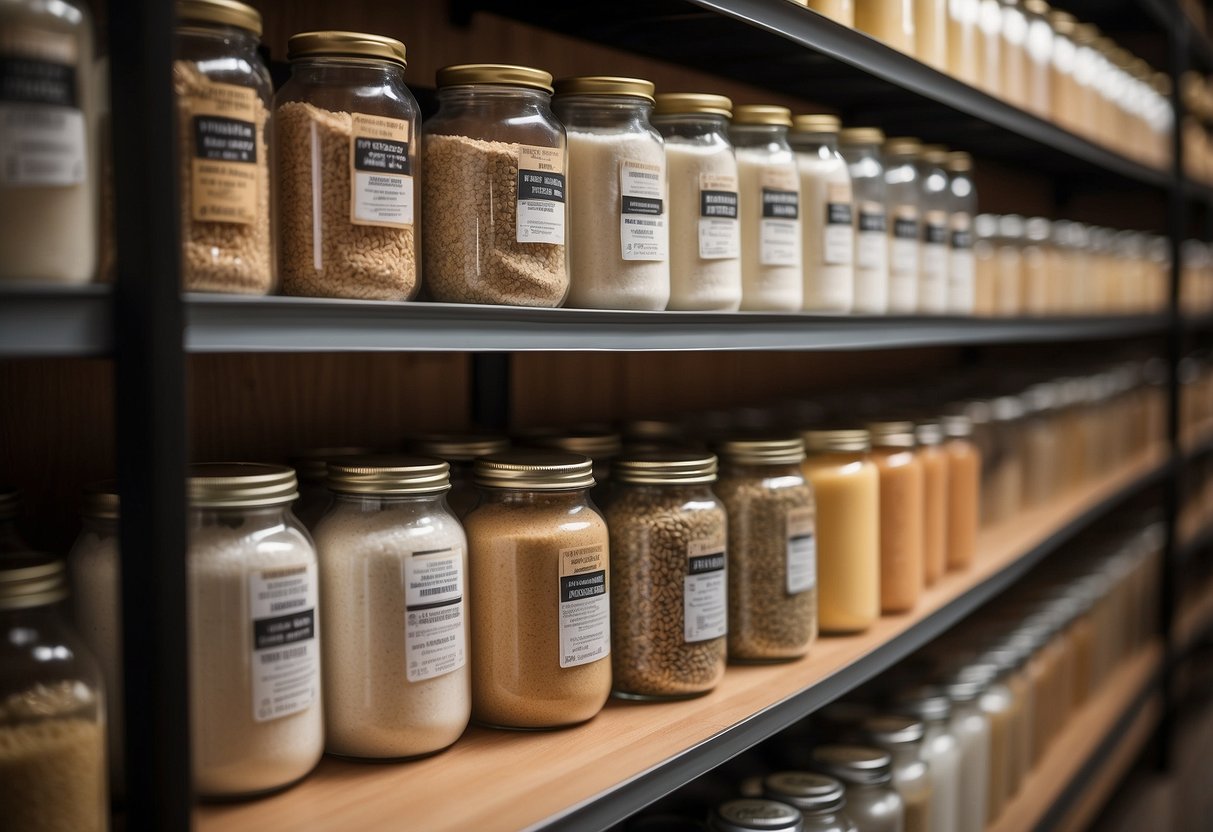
x=510, y=75
x=221, y=12
x=31, y=579
x=692, y=104
x=770, y=450
x=606, y=85
x=240, y=485
x=666, y=468
x=761, y=115
x=387, y=475
x=534, y=470
x=339, y=44
x=837, y=439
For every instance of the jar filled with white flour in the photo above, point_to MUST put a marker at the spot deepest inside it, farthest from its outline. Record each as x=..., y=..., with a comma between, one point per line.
x=617, y=195
x=828, y=232
x=254, y=635
x=860, y=146
x=393, y=566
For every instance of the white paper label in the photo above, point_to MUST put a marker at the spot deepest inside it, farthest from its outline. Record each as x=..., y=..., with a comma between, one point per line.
x=802, y=550
x=382, y=184
x=433, y=628
x=585, y=606
x=642, y=230
x=779, y=229
x=541, y=195
x=719, y=230
x=705, y=606
x=286, y=649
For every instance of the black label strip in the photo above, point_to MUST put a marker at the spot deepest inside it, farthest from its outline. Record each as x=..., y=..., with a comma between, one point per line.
x=707, y=563
x=780, y=205
x=219, y=139
x=30, y=81
x=585, y=585
x=381, y=155
x=284, y=629
x=534, y=184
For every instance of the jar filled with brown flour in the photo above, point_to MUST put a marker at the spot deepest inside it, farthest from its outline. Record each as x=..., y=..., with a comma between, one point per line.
x=669, y=537
x=346, y=147
x=495, y=160
x=254, y=638
x=772, y=548
x=539, y=592
x=393, y=567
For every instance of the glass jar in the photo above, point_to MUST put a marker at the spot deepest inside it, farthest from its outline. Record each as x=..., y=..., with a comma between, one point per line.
x=902, y=737
x=1041, y=446
x=964, y=491
x=771, y=267
x=52, y=707
x=772, y=545
x=846, y=486
x=1063, y=100
x=1086, y=75
x=1037, y=290
x=1008, y=266
x=931, y=33
x=48, y=178
x=935, y=464
x=602, y=446
x=460, y=451
x=891, y=21
x=391, y=552
x=860, y=148
x=705, y=238
x=669, y=551
x=828, y=220
x=1005, y=483
x=539, y=592
x=223, y=96
x=985, y=260
x=989, y=47
x=256, y=712
x=819, y=798
x=962, y=207
x=750, y=814
x=905, y=213
x=617, y=169
x=964, y=60
x=495, y=244
x=972, y=731
x=1013, y=54
x=872, y=802
x=840, y=11
x=901, y=501
x=311, y=469
x=939, y=750
x=1039, y=47
x=10, y=508
x=935, y=202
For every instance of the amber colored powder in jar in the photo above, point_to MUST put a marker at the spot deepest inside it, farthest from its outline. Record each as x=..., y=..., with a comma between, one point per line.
x=934, y=461
x=901, y=515
x=964, y=491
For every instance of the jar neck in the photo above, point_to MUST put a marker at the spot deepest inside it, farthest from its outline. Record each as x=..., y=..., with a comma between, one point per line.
x=387, y=500
x=604, y=111
x=692, y=125
x=473, y=95
x=562, y=499
x=236, y=516
x=761, y=470
x=814, y=141
x=233, y=37
x=759, y=135
x=97, y=525
x=346, y=70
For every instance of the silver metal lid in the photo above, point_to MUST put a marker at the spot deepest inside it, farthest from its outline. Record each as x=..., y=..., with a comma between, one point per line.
x=388, y=475
x=808, y=791
x=856, y=764
x=749, y=814
x=240, y=485
x=928, y=703
x=887, y=730
x=31, y=579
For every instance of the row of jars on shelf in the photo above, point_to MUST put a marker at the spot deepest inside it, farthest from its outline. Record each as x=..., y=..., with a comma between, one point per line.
x=945, y=741
x=1039, y=59
x=1195, y=376
x=1197, y=94
x=1196, y=508
x=1196, y=278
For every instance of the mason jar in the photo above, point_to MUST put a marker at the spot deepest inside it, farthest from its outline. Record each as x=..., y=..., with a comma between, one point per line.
x=669, y=539
x=819, y=798
x=860, y=147
x=902, y=514
x=460, y=451
x=902, y=737
x=619, y=236
x=345, y=142
x=905, y=221
x=934, y=201
x=256, y=713
x=962, y=207
x=828, y=216
x=223, y=95
x=939, y=750
x=872, y=802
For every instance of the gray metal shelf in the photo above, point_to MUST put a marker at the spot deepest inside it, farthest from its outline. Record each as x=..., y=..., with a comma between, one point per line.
x=39, y=320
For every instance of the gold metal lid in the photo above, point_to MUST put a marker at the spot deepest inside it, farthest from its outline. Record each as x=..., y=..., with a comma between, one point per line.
x=345, y=45
x=666, y=468
x=959, y=162
x=816, y=123
x=861, y=135
x=1036, y=7
x=388, y=474
x=312, y=465
x=929, y=434
x=892, y=434
x=30, y=579
x=10, y=503
x=240, y=485
x=902, y=146
x=456, y=447
x=753, y=114
x=834, y=440
x=693, y=103
x=539, y=470
x=596, y=444
x=222, y=12
x=100, y=501
x=605, y=85
x=934, y=154
x=772, y=450
x=509, y=75
x=1063, y=23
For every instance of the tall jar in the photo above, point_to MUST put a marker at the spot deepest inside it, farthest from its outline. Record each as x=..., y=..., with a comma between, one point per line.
x=860, y=148
x=872, y=802
x=840, y=11
x=345, y=142
x=669, y=544
x=846, y=486
x=489, y=239
x=705, y=238
x=1039, y=47
x=52, y=734
x=311, y=469
x=989, y=47
x=902, y=737
x=1063, y=94
x=962, y=206
x=539, y=592
x=939, y=750
x=905, y=218
x=460, y=451
x=1041, y=444
x=772, y=587
x=617, y=179
x=223, y=94
x=1038, y=291
x=972, y=731
x=391, y=554
x=48, y=171
x=821, y=799
x=935, y=464
x=935, y=202
x=891, y=21
x=902, y=491
x=1008, y=268
x=964, y=491
x=985, y=264
x=771, y=270
x=828, y=219
x=256, y=711
x=931, y=33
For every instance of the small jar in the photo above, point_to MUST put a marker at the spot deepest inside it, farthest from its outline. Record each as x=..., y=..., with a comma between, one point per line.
x=392, y=553
x=902, y=737
x=602, y=446
x=223, y=94
x=460, y=451
x=311, y=469
x=705, y=237
x=846, y=486
x=972, y=732
x=1042, y=448
x=902, y=487
x=891, y=21
x=939, y=750
x=828, y=219
x=345, y=141
x=935, y=202
x=985, y=260
x=961, y=209
x=964, y=491
x=1037, y=289
x=771, y=271
x=1007, y=460
x=931, y=33
x=669, y=538
x=1039, y=47
x=935, y=464
x=905, y=216
x=860, y=147
x=10, y=508
x=872, y=802
x=256, y=711
x=617, y=180
x=819, y=798
x=52, y=702
x=772, y=586
x=539, y=592
x=750, y=814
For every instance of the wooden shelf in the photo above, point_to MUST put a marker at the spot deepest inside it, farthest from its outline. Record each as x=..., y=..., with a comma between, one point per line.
x=633, y=753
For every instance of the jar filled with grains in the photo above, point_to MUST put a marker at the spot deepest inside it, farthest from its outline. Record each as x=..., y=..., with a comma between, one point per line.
x=772, y=549
x=495, y=214
x=539, y=592
x=460, y=451
x=256, y=714
x=617, y=179
x=223, y=94
x=392, y=553
x=346, y=147
x=669, y=537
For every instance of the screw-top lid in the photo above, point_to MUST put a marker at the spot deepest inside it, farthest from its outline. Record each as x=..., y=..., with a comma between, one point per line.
x=594, y=443
x=782, y=450
x=1007, y=409
x=957, y=426
x=808, y=791
x=816, y=123
x=959, y=162
x=759, y=114
x=891, y=434
x=902, y=146
x=1037, y=229
x=312, y=465
x=1010, y=226
x=508, y=75
x=221, y=12
x=824, y=441
x=605, y=85
x=538, y=470
x=861, y=135
x=31, y=579
x=10, y=502
x=965, y=688
x=100, y=501
x=929, y=434
x=345, y=45
x=457, y=447
x=890, y=729
x=240, y=485
x=666, y=468
x=388, y=475
x=692, y=103
x=750, y=813
x=855, y=764
x=934, y=154
x=928, y=702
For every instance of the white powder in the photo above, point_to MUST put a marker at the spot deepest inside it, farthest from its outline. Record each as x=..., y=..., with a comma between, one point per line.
x=371, y=707
x=828, y=247
x=705, y=264
x=601, y=275
x=771, y=274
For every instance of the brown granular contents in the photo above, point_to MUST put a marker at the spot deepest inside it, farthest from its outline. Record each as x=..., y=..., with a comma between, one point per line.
x=221, y=256
x=355, y=261
x=471, y=205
